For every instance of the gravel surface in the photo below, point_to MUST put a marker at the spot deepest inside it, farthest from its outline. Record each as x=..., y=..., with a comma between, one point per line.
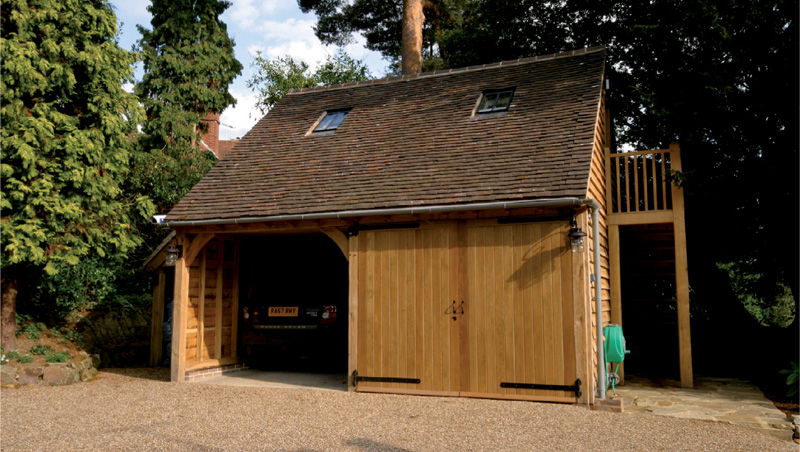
x=137, y=410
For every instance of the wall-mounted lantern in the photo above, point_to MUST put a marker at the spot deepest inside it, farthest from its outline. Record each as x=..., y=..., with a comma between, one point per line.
x=576, y=237
x=173, y=253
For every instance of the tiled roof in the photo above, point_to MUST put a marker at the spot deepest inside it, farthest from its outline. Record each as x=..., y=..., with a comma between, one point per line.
x=414, y=141
x=224, y=147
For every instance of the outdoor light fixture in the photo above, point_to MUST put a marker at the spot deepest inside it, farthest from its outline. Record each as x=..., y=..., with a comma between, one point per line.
x=576, y=237
x=174, y=252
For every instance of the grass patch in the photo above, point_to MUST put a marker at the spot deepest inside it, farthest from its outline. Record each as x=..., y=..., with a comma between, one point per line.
x=58, y=357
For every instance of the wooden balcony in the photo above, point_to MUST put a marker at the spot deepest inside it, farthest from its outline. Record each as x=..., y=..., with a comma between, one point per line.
x=639, y=188
x=640, y=191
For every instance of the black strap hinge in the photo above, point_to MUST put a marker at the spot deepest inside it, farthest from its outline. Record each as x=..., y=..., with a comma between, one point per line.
x=576, y=388
x=357, y=378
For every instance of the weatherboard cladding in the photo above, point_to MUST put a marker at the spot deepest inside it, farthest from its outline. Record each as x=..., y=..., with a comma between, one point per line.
x=413, y=141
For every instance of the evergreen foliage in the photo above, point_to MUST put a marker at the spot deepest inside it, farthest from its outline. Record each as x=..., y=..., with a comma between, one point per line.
x=274, y=78
x=188, y=65
x=67, y=134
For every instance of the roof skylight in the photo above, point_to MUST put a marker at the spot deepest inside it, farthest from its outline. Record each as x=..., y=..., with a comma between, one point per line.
x=331, y=121
x=495, y=100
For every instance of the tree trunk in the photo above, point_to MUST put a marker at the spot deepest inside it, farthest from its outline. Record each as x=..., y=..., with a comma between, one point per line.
x=413, y=19
x=8, y=314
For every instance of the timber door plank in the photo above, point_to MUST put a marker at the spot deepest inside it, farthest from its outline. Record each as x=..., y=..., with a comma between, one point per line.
x=454, y=323
x=429, y=309
x=570, y=364
x=509, y=306
x=522, y=346
x=490, y=303
x=558, y=323
x=474, y=307
x=383, y=328
x=368, y=368
x=393, y=319
x=420, y=358
x=444, y=301
x=402, y=308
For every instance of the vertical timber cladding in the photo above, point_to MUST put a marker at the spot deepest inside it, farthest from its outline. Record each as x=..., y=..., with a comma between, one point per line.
x=211, y=318
x=516, y=323
x=405, y=299
x=520, y=298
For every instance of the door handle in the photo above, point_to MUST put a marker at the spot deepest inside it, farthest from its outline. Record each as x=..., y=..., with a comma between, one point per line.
x=462, y=306
x=454, y=309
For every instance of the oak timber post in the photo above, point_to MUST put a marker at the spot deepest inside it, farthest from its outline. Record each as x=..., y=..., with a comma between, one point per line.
x=352, y=323
x=616, y=283
x=681, y=274
x=179, y=316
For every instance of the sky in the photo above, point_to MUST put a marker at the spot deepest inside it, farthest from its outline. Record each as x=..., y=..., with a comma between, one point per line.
x=274, y=27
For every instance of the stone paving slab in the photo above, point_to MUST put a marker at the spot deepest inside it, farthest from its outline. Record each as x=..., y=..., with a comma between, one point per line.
x=723, y=400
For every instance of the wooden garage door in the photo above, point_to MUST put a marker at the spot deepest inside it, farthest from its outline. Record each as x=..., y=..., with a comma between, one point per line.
x=516, y=324
x=406, y=292
x=520, y=308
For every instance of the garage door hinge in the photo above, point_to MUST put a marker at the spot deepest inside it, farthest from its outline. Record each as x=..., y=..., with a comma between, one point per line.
x=357, y=378
x=576, y=388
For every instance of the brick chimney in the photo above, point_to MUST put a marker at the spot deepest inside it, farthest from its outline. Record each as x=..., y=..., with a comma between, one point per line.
x=211, y=138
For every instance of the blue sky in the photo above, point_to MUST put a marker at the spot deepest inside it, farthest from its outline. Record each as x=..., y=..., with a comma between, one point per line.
x=275, y=27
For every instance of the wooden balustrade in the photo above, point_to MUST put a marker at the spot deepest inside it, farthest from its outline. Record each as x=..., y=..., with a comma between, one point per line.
x=639, y=181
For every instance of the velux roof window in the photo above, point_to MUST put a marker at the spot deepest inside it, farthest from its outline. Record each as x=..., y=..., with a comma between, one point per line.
x=495, y=100
x=331, y=121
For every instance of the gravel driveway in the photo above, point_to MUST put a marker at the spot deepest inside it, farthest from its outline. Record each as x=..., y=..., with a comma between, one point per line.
x=135, y=409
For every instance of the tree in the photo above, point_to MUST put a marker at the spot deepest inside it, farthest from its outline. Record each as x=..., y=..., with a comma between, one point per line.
x=406, y=32
x=66, y=141
x=413, y=20
x=188, y=65
x=274, y=78
x=713, y=75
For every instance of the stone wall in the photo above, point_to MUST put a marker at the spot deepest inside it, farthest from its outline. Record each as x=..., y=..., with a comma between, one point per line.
x=84, y=368
x=122, y=339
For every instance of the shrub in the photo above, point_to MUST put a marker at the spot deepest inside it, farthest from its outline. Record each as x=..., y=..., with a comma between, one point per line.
x=40, y=349
x=58, y=357
x=26, y=359
x=12, y=354
x=32, y=331
x=767, y=298
x=94, y=283
x=792, y=378
x=72, y=335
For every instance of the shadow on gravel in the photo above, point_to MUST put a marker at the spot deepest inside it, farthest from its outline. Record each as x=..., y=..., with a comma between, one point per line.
x=144, y=373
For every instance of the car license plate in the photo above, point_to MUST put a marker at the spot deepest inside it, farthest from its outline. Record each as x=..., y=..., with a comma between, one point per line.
x=283, y=311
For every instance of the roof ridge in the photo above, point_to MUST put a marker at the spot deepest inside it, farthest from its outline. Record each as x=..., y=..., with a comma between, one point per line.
x=401, y=78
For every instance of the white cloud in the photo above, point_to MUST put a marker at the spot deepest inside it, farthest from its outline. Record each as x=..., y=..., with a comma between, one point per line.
x=245, y=13
x=237, y=121
x=288, y=29
x=311, y=53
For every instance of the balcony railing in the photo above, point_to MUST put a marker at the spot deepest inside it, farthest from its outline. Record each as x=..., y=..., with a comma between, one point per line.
x=640, y=181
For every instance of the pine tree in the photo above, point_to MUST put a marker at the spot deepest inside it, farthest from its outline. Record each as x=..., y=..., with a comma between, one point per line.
x=188, y=65
x=66, y=140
